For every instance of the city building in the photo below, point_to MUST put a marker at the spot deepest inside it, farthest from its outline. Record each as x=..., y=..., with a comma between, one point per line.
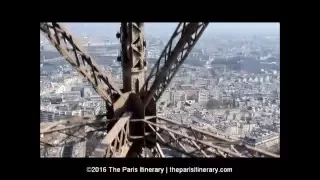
x=262, y=138
x=46, y=116
x=236, y=73
x=203, y=96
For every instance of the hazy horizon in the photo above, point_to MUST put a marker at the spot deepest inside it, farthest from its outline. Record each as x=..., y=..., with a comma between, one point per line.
x=166, y=29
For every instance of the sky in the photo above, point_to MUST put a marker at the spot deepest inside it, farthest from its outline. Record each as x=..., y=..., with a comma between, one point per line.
x=110, y=29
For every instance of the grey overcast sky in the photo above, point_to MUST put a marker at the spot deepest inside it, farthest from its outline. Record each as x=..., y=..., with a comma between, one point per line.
x=109, y=29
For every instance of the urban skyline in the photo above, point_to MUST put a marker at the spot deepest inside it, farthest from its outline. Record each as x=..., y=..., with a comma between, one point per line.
x=108, y=29
x=226, y=86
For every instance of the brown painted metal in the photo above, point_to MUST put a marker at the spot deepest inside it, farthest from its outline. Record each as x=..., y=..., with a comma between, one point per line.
x=169, y=145
x=179, y=143
x=133, y=56
x=171, y=60
x=235, y=147
x=211, y=135
x=67, y=46
x=194, y=139
x=137, y=102
x=82, y=122
x=198, y=147
x=134, y=68
x=116, y=143
x=260, y=152
x=161, y=154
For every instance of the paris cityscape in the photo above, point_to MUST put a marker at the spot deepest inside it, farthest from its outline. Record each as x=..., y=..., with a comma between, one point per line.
x=229, y=85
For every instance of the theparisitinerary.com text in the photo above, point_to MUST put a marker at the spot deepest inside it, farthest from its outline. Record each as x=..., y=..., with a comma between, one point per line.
x=164, y=170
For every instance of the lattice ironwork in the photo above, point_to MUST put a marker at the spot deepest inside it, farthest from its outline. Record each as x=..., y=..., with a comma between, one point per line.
x=188, y=140
x=116, y=143
x=172, y=57
x=194, y=142
x=66, y=44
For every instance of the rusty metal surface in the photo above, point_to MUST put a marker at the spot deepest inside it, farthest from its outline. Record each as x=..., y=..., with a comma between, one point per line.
x=159, y=150
x=133, y=59
x=185, y=139
x=172, y=57
x=260, y=152
x=199, y=141
x=215, y=137
x=117, y=128
x=133, y=68
x=188, y=139
x=66, y=45
x=69, y=123
x=116, y=143
x=69, y=127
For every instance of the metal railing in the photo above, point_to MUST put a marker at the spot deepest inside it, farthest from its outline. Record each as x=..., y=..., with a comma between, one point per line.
x=116, y=143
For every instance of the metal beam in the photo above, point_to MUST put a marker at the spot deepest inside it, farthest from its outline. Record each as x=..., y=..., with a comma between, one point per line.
x=158, y=134
x=261, y=152
x=116, y=143
x=173, y=59
x=116, y=128
x=202, y=151
x=214, y=136
x=133, y=60
x=194, y=139
x=66, y=45
x=160, y=150
x=179, y=143
x=165, y=144
x=70, y=127
x=221, y=140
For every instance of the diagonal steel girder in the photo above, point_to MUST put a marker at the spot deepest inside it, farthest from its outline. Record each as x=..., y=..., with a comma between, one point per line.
x=210, y=145
x=66, y=45
x=192, y=140
x=173, y=58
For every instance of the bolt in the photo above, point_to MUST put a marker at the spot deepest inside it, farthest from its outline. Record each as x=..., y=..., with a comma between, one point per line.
x=118, y=35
